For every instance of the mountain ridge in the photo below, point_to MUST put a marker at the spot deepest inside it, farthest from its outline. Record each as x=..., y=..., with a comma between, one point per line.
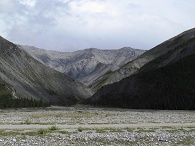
x=84, y=65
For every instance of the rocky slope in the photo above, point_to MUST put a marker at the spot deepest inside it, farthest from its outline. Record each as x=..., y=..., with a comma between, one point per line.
x=133, y=66
x=24, y=77
x=166, y=82
x=86, y=65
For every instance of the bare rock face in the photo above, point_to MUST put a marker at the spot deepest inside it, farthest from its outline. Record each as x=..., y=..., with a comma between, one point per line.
x=28, y=78
x=86, y=66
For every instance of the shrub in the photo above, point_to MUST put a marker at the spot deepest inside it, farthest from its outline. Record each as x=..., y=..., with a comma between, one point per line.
x=42, y=131
x=53, y=128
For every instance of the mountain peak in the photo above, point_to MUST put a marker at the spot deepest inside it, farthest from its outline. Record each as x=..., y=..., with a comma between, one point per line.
x=93, y=49
x=88, y=64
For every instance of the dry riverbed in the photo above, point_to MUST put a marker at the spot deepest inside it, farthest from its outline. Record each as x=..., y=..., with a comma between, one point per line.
x=95, y=126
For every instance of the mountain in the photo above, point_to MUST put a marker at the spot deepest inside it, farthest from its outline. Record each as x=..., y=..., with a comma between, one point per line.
x=86, y=65
x=21, y=76
x=132, y=67
x=165, y=82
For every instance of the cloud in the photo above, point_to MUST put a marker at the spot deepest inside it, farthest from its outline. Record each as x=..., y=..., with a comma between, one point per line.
x=87, y=6
x=28, y=3
x=107, y=24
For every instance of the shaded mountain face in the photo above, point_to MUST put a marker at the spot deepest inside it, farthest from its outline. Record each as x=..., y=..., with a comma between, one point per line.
x=166, y=82
x=26, y=77
x=132, y=67
x=86, y=65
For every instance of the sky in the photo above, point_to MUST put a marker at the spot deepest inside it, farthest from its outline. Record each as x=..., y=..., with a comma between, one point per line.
x=69, y=25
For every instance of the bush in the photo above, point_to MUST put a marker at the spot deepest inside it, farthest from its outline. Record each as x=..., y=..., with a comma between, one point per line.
x=42, y=131
x=53, y=128
x=80, y=129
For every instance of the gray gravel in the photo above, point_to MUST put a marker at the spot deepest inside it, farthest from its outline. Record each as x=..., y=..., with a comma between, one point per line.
x=91, y=126
x=107, y=138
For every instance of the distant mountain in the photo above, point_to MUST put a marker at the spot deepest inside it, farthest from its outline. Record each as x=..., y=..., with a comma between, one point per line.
x=167, y=81
x=86, y=65
x=21, y=76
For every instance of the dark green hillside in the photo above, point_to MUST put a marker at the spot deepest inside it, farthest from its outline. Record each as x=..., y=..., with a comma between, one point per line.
x=4, y=90
x=8, y=101
x=165, y=80
x=169, y=87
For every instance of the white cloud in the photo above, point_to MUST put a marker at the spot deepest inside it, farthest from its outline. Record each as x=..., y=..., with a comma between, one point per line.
x=87, y=6
x=77, y=24
x=28, y=3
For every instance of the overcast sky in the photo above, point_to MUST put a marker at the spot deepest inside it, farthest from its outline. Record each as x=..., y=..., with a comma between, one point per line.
x=68, y=25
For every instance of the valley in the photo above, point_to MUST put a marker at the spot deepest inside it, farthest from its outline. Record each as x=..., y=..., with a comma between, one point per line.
x=160, y=78
x=77, y=102
x=97, y=73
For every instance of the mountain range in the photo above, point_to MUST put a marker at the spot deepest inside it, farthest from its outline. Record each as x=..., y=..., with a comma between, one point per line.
x=160, y=78
x=87, y=66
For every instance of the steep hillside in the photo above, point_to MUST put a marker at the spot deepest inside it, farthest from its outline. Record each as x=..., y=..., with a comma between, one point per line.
x=25, y=77
x=133, y=66
x=84, y=65
x=166, y=82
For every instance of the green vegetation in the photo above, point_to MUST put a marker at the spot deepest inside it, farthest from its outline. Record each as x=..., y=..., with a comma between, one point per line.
x=42, y=131
x=54, y=128
x=4, y=90
x=80, y=129
x=9, y=102
x=64, y=132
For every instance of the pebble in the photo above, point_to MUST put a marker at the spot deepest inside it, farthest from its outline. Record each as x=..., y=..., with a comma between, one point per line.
x=54, y=138
x=111, y=138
